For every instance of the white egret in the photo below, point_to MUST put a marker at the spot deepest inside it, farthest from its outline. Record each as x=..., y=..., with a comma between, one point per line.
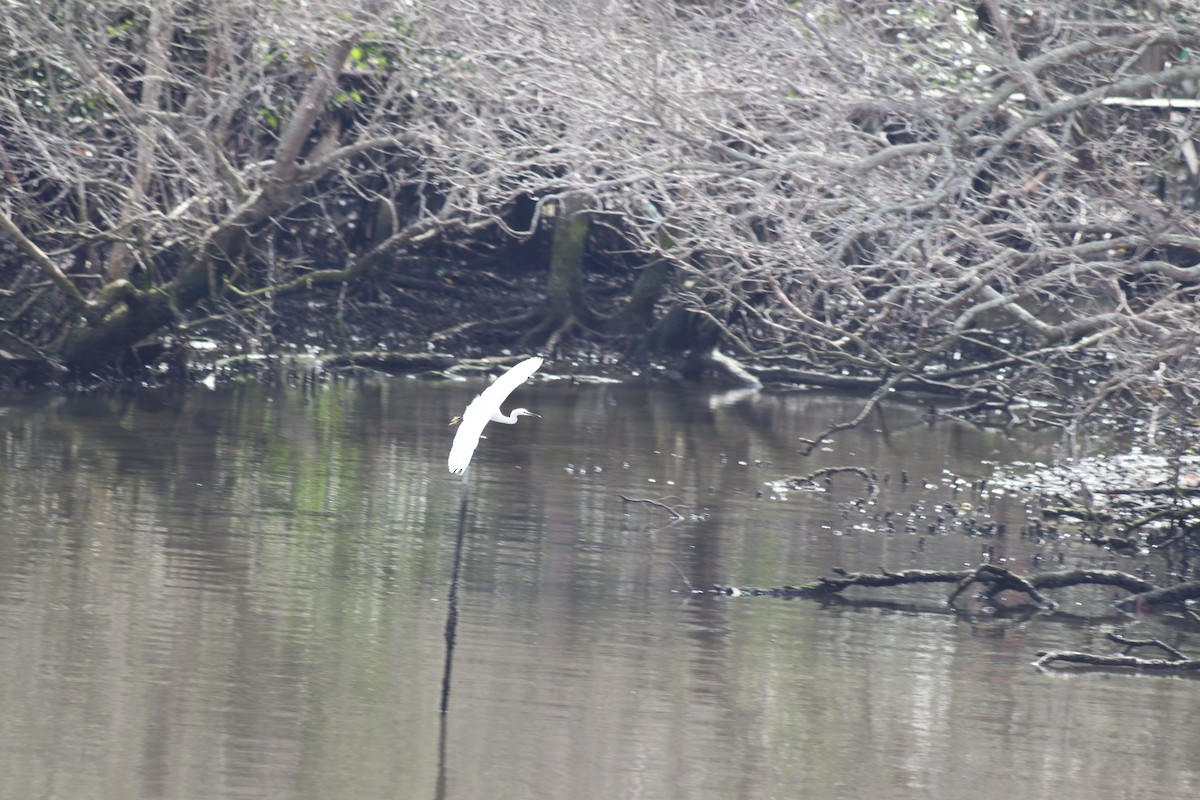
x=486, y=408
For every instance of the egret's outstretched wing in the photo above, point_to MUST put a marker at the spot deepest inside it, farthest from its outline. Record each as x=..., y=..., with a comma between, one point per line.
x=481, y=410
x=466, y=438
x=493, y=396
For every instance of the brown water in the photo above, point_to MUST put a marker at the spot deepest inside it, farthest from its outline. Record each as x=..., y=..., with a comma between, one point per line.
x=242, y=593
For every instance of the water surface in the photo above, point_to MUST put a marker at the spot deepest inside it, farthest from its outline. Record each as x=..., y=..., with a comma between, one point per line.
x=242, y=593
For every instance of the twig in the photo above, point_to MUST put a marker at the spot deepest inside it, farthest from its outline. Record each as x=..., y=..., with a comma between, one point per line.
x=691, y=588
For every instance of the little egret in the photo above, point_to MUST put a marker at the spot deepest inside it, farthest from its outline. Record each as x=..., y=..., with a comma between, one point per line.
x=486, y=408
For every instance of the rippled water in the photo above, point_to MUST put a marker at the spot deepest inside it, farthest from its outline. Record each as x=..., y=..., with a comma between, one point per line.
x=242, y=593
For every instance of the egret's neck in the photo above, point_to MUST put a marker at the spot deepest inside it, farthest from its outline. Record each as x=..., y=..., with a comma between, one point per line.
x=510, y=419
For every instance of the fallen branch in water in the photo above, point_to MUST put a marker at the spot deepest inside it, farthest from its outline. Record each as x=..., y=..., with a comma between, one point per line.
x=825, y=587
x=882, y=391
x=1130, y=644
x=1095, y=577
x=1047, y=657
x=1160, y=596
x=998, y=579
x=1176, y=661
x=828, y=472
x=674, y=514
x=995, y=580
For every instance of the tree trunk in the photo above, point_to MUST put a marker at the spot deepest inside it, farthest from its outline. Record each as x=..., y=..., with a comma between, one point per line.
x=564, y=290
x=637, y=316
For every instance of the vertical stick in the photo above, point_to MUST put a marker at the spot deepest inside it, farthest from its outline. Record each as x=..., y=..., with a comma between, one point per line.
x=452, y=613
x=451, y=626
x=439, y=789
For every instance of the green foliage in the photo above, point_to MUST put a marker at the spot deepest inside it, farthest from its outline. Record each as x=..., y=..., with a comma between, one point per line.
x=269, y=118
x=120, y=29
x=369, y=56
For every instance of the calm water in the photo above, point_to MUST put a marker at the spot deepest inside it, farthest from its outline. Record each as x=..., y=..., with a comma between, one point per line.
x=242, y=593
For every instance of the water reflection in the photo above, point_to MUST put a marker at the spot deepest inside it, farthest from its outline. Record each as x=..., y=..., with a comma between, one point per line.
x=242, y=593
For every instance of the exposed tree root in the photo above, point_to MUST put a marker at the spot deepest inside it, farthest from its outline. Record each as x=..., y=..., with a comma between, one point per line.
x=508, y=325
x=552, y=330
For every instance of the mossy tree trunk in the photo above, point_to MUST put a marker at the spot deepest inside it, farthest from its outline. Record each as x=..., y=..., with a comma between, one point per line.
x=565, y=304
x=564, y=290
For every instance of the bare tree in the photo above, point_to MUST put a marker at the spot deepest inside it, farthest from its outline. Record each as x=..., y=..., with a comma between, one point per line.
x=966, y=199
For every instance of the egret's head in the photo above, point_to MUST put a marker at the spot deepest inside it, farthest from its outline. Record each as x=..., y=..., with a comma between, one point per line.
x=524, y=412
